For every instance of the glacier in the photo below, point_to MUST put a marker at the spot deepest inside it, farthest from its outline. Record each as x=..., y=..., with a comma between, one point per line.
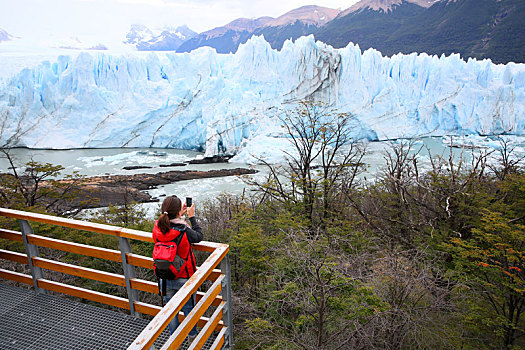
x=230, y=103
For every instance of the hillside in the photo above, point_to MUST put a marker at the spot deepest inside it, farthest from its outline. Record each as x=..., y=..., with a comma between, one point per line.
x=368, y=27
x=473, y=28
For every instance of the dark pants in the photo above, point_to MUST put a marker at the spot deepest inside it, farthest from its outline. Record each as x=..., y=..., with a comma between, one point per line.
x=172, y=287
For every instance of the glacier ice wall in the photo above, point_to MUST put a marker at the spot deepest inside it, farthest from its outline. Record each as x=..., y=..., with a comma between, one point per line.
x=207, y=101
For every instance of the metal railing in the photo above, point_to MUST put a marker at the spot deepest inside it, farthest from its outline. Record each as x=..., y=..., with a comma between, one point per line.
x=218, y=295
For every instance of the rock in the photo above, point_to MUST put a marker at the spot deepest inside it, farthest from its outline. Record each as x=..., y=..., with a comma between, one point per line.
x=208, y=160
x=172, y=164
x=121, y=189
x=107, y=195
x=135, y=167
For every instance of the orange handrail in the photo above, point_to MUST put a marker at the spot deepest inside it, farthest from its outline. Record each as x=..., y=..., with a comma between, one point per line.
x=207, y=271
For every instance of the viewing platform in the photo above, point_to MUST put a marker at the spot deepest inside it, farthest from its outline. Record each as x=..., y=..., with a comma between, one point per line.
x=34, y=319
x=30, y=320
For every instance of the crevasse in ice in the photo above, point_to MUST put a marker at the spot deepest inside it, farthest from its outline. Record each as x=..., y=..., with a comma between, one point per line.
x=229, y=103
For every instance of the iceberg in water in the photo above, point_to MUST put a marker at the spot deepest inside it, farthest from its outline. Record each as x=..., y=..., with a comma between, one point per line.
x=230, y=103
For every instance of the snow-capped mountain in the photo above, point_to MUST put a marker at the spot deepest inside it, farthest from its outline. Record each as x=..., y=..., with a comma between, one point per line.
x=40, y=44
x=384, y=5
x=238, y=25
x=74, y=43
x=293, y=24
x=227, y=38
x=5, y=36
x=310, y=14
x=169, y=39
x=138, y=33
x=207, y=101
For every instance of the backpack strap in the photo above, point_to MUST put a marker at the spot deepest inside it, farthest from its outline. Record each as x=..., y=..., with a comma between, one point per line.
x=190, y=259
x=179, y=238
x=189, y=256
x=177, y=241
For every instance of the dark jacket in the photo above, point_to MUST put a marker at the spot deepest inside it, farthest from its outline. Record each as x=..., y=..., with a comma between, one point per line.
x=190, y=235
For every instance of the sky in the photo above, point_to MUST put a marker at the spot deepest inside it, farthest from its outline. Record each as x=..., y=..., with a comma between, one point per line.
x=108, y=21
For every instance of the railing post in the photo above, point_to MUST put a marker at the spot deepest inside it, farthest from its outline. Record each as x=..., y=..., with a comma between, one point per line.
x=31, y=251
x=129, y=273
x=227, y=294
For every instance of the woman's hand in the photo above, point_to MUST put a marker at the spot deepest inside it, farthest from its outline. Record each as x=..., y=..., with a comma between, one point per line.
x=191, y=210
x=183, y=210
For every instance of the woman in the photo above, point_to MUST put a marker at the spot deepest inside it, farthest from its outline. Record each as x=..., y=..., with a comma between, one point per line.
x=168, y=228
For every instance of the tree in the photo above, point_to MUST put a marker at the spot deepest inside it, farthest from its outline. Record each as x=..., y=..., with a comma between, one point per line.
x=412, y=207
x=314, y=297
x=130, y=215
x=492, y=262
x=324, y=158
x=37, y=186
x=417, y=301
x=508, y=162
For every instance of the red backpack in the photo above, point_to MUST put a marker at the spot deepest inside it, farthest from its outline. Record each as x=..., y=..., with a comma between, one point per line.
x=167, y=263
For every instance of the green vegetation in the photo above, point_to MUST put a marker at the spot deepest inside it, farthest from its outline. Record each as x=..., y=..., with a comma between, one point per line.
x=415, y=259
x=492, y=263
x=419, y=258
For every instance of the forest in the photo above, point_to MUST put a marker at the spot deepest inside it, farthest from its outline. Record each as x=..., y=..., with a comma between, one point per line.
x=328, y=256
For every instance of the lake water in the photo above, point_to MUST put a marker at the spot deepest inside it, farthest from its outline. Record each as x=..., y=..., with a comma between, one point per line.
x=111, y=161
x=91, y=162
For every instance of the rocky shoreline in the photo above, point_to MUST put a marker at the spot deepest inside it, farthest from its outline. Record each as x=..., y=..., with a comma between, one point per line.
x=120, y=189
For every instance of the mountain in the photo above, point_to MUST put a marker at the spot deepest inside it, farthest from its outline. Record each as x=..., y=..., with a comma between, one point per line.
x=370, y=23
x=473, y=28
x=206, y=101
x=293, y=24
x=225, y=39
x=303, y=21
x=74, y=43
x=383, y=5
x=5, y=36
x=238, y=25
x=310, y=14
x=137, y=34
x=168, y=40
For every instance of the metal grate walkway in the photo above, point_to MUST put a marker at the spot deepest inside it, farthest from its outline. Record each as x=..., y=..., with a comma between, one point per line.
x=39, y=321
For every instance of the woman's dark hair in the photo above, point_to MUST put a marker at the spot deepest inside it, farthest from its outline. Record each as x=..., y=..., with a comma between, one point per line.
x=170, y=210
